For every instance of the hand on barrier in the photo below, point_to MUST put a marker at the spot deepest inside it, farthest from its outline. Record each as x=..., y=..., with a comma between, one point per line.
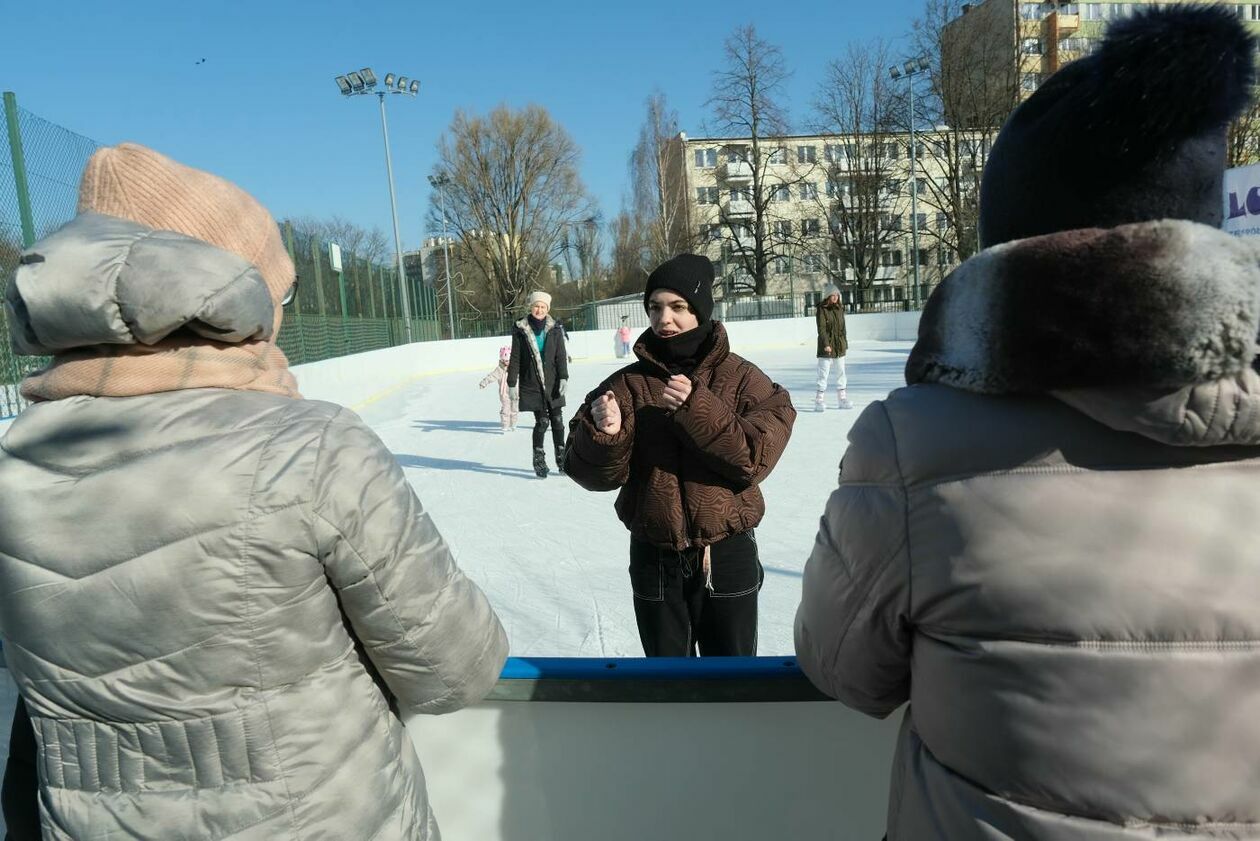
x=606, y=413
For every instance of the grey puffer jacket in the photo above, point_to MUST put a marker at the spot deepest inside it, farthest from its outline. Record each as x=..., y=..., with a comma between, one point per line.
x=216, y=605
x=1046, y=544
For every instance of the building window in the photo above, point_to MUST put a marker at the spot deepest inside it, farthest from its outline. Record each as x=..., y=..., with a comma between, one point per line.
x=836, y=153
x=1030, y=46
x=781, y=192
x=921, y=186
x=892, y=187
x=781, y=265
x=777, y=155
x=706, y=195
x=890, y=221
x=809, y=190
x=811, y=227
x=924, y=257
x=782, y=228
x=838, y=189
x=921, y=220
x=1031, y=11
x=889, y=257
x=812, y=263
x=741, y=194
x=806, y=154
x=735, y=154
x=942, y=221
x=706, y=158
x=892, y=151
x=715, y=233
x=944, y=257
x=1030, y=81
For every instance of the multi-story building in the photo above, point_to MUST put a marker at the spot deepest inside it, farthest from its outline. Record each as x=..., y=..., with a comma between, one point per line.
x=997, y=52
x=824, y=209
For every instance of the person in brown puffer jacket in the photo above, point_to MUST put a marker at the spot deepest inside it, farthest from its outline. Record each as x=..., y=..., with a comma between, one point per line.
x=687, y=433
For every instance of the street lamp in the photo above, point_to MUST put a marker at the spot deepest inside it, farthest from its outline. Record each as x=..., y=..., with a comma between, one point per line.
x=909, y=69
x=364, y=82
x=591, y=223
x=439, y=182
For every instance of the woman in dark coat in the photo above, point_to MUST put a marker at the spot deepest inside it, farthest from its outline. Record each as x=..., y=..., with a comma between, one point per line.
x=538, y=374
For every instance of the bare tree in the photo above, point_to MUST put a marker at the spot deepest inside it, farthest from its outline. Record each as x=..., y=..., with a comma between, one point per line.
x=973, y=85
x=583, y=253
x=628, y=272
x=513, y=188
x=1244, y=138
x=864, y=197
x=748, y=104
x=364, y=243
x=656, y=184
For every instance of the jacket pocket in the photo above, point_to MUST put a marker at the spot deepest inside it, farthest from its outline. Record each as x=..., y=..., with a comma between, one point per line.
x=647, y=573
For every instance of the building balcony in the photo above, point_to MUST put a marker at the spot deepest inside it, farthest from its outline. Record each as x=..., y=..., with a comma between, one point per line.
x=884, y=274
x=1060, y=24
x=738, y=171
x=738, y=209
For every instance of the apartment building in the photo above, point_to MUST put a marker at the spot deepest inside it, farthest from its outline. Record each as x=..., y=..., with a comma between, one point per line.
x=997, y=52
x=832, y=210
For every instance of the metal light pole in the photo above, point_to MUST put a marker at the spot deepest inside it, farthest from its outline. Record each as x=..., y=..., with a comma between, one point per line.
x=364, y=82
x=910, y=69
x=439, y=182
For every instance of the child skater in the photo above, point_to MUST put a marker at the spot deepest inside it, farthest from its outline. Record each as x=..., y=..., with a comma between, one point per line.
x=509, y=405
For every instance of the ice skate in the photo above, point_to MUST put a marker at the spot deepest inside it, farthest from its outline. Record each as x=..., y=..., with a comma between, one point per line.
x=560, y=462
x=819, y=404
x=843, y=401
x=540, y=464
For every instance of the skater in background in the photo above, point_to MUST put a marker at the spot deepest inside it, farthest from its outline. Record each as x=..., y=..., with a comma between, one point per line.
x=508, y=403
x=833, y=343
x=538, y=375
x=623, y=338
x=687, y=433
x=1045, y=542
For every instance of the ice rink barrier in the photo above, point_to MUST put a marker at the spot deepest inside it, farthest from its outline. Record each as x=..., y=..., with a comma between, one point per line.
x=363, y=379
x=670, y=749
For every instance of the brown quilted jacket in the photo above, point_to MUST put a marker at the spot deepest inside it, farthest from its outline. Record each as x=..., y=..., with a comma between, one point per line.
x=687, y=477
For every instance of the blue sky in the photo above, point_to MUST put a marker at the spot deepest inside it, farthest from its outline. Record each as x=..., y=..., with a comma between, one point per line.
x=263, y=110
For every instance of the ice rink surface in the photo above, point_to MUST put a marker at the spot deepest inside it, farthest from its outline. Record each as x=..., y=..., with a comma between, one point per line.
x=551, y=556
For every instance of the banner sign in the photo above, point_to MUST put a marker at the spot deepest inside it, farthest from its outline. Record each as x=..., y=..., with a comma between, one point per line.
x=1242, y=201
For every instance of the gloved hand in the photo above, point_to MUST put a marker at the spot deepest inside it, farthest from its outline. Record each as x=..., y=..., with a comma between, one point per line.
x=514, y=392
x=481, y=385
x=563, y=385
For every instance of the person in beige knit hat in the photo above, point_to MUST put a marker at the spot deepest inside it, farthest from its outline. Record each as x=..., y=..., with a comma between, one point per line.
x=257, y=593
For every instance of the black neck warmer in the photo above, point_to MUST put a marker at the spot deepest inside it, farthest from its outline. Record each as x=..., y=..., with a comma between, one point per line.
x=681, y=354
x=537, y=324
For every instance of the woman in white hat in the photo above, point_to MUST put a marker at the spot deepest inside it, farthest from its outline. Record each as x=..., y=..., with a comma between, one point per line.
x=538, y=375
x=833, y=342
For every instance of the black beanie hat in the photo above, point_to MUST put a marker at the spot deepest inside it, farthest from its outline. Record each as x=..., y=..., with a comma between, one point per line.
x=1133, y=132
x=691, y=276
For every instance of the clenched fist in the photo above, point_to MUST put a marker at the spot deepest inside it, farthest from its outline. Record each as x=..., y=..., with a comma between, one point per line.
x=677, y=390
x=606, y=413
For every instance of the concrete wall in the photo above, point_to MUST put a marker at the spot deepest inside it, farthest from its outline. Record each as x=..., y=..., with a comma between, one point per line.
x=359, y=380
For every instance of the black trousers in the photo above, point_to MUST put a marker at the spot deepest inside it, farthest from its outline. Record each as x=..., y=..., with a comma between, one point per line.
x=553, y=419
x=21, y=781
x=678, y=614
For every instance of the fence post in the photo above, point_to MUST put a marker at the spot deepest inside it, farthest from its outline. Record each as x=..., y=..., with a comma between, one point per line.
x=297, y=302
x=19, y=169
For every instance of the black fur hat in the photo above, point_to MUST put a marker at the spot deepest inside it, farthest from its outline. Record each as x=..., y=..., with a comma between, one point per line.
x=1133, y=132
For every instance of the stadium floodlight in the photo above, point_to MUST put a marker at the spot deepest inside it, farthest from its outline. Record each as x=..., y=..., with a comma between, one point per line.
x=360, y=82
x=924, y=64
x=909, y=69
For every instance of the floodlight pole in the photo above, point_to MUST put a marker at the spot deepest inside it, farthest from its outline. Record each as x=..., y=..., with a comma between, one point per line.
x=393, y=208
x=440, y=183
x=911, y=69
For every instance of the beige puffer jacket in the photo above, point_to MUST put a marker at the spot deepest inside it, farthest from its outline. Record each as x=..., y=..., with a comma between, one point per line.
x=210, y=599
x=1065, y=585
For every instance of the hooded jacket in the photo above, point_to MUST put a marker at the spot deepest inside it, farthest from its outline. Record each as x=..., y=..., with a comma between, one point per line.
x=538, y=374
x=831, y=331
x=1043, y=545
x=687, y=478
x=217, y=603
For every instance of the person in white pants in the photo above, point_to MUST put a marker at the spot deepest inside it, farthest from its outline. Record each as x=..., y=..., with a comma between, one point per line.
x=833, y=343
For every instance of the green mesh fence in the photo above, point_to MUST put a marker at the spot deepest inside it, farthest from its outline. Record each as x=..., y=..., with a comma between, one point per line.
x=334, y=314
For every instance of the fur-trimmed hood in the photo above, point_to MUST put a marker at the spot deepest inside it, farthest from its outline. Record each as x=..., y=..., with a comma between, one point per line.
x=1150, y=328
